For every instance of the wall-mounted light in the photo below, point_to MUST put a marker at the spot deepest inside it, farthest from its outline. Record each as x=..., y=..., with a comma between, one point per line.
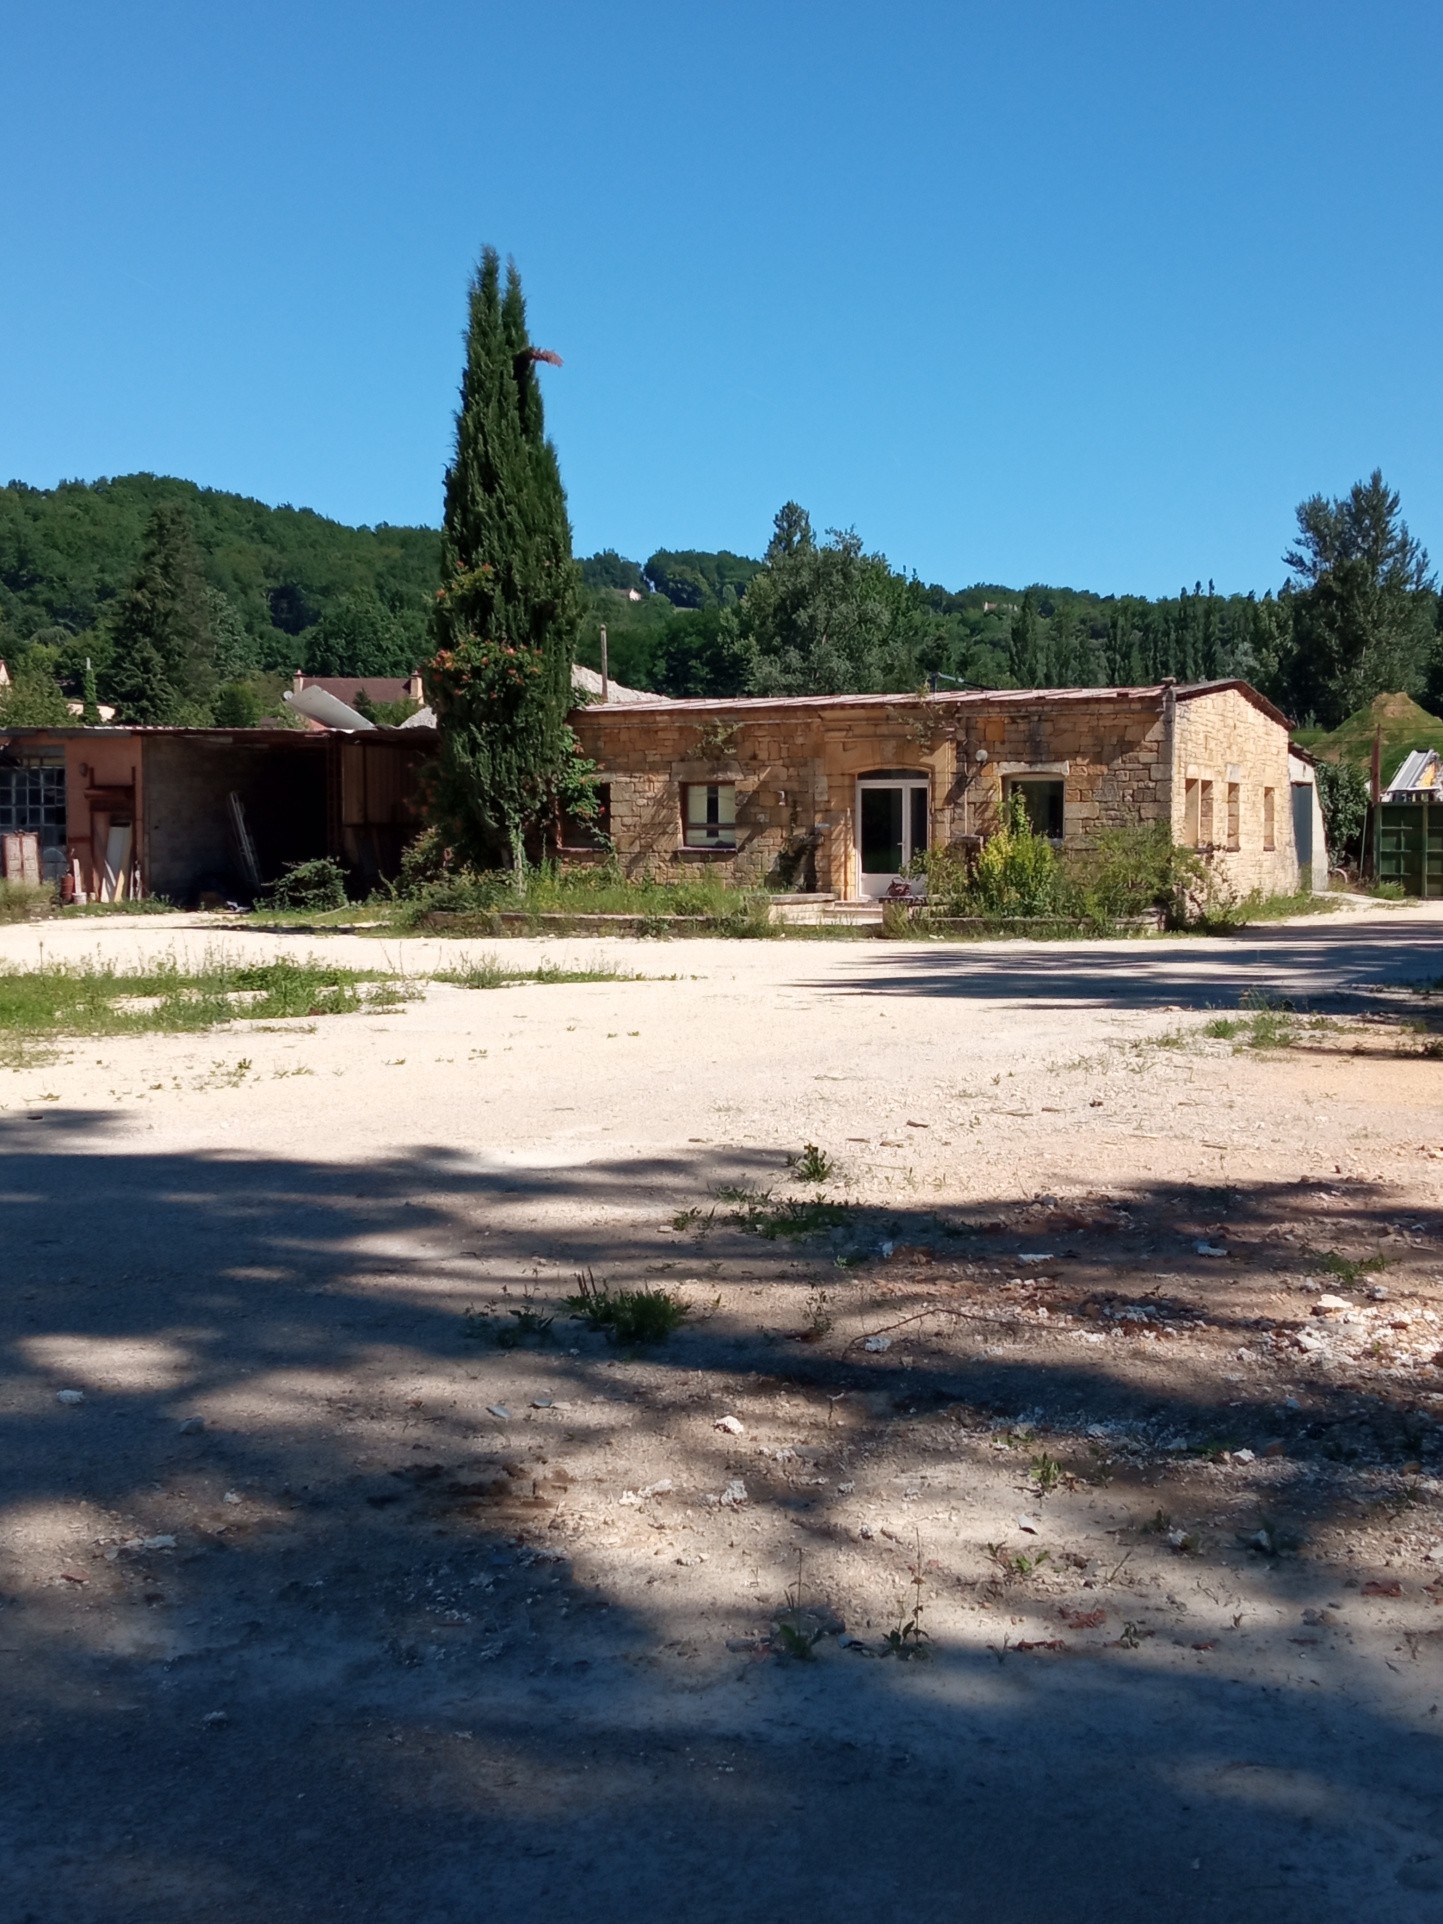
x=981, y=756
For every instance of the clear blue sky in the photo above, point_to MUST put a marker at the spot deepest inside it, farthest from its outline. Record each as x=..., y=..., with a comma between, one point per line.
x=1067, y=292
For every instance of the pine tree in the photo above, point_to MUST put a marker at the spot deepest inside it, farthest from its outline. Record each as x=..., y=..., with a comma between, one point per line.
x=1024, y=648
x=160, y=669
x=508, y=609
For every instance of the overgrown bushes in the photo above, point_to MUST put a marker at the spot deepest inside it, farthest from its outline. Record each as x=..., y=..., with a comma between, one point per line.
x=320, y=884
x=427, y=885
x=1123, y=874
x=25, y=901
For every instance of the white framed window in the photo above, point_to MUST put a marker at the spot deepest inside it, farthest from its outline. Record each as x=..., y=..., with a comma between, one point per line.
x=709, y=815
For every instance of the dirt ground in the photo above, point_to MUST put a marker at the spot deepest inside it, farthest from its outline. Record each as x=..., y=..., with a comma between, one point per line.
x=1055, y=1530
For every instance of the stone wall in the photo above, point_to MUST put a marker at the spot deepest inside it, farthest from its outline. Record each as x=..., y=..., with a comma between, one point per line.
x=795, y=766
x=1225, y=741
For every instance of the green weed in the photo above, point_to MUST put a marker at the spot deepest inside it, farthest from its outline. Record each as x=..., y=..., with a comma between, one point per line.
x=781, y=1217
x=626, y=1316
x=1348, y=1271
x=92, y=998
x=486, y=972
x=1046, y=1473
x=812, y=1165
x=908, y=1639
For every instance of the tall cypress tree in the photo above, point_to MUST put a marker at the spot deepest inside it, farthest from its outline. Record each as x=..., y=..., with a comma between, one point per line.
x=160, y=668
x=508, y=609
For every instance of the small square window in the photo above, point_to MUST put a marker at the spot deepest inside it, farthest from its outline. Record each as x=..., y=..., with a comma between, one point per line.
x=709, y=815
x=1042, y=800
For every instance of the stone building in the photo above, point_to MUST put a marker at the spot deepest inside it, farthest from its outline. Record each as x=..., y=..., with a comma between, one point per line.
x=837, y=792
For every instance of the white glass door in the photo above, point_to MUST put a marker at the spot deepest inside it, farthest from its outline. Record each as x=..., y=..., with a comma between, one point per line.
x=891, y=828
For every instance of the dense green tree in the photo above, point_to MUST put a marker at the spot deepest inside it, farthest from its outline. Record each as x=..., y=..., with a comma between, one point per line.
x=608, y=569
x=234, y=651
x=89, y=696
x=507, y=611
x=1363, y=603
x=701, y=654
x=33, y=697
x=237, y=705
x=161, y=666
x=1343, y=795
x=1025, y=656
x=828, y=618
x=698, y=579
x=359, y=635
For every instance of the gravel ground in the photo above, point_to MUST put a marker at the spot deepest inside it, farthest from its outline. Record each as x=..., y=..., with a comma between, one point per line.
x=1087, y=1449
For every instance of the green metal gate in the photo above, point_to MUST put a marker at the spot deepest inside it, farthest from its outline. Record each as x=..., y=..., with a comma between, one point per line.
x=1410, y=846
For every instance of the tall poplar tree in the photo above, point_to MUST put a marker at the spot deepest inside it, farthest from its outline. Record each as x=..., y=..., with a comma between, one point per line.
x=161, y=668
x=508, y=609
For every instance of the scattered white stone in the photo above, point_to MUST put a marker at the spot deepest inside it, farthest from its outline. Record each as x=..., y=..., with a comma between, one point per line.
x=1046, y=1256
x=231, y=1496
x=734, y=1494
x=731, y=1424
x=192, y=1426
x=1031, y=1524
x=846, y=1489
x=542, y=1403
x=151, y=1543
x=877, y=1344
x=633, y=1499
x=1326, y=1305
x=70, y=1396
x=1244, y=1456
x=499, y=1410
x=214, y=1719
x=1210, y=1249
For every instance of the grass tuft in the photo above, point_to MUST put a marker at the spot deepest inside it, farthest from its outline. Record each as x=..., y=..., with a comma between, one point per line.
x=166, y=998
x=626, y=1316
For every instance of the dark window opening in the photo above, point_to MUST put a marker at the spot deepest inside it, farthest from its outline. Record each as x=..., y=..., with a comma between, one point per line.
x=1042, y=804
x=589, y=831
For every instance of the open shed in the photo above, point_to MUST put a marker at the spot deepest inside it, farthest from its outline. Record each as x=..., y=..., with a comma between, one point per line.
x=183, y=812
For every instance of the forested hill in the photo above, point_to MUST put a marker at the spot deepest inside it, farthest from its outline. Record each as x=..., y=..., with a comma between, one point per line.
x=254, y=592
x=304, y=592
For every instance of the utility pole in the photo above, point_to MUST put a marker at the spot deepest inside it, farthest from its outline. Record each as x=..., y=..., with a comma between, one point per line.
x=605, y=679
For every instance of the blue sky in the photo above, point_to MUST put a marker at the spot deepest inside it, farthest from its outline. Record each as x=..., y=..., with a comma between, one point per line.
x=1066, y=292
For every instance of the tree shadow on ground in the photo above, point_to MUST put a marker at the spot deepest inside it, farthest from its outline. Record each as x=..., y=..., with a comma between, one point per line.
x=382, y=1686
x=1326, y=968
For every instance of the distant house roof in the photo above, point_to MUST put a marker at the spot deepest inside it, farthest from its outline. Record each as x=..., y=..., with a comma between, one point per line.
x=375, y=687
x=1419, y=774
x=586, y=681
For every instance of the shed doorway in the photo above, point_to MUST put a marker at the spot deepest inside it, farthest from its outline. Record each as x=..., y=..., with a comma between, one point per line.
x=892, y=818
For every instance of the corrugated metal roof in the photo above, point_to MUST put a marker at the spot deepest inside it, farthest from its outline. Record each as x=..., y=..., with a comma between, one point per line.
x=947, y=698
x=1419, y=770
x=303, y=736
